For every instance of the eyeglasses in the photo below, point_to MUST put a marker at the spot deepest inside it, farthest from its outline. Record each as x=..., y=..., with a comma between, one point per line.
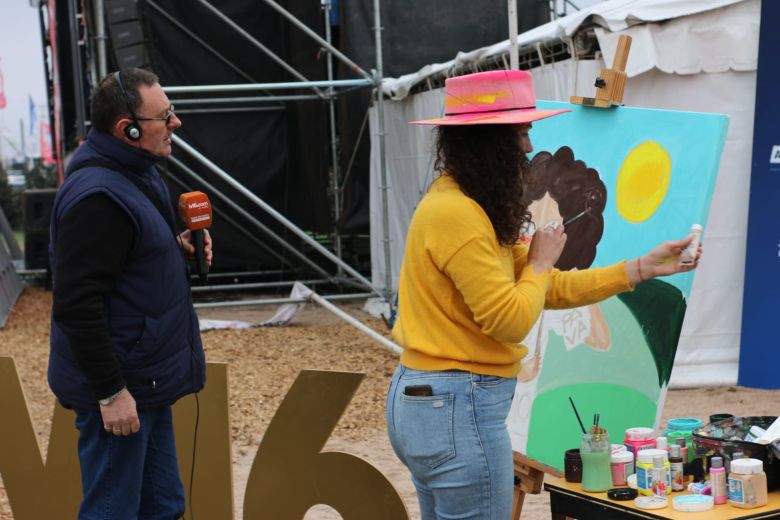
x=167, y=117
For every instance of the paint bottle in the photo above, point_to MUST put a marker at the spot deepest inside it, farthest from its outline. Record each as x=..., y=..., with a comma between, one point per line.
x=644, y=470
x=747, y=484
x=700, y=488
x=718, y=480
x=662, y=443
x=680, y=442
x=688, y=254
x=734, y=456
x=638, y=439
x=676, y=468
x=673, y=435
x=661, y=477
x=621, y=464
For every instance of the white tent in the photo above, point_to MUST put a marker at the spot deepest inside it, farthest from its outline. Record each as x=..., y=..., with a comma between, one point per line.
x=686, y=55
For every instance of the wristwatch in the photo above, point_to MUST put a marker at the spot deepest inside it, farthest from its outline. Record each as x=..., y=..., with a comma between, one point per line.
x=111, y=398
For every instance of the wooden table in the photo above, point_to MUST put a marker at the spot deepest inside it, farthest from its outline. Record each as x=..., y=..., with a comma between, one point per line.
x=568, y=500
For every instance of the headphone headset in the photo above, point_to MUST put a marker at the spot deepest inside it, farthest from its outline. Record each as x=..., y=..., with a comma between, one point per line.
x=133, y=130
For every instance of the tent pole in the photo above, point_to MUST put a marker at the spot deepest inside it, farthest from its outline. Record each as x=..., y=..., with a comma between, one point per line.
x=323, y=301
x=100, y=26
x=240, y=87
x=514, y=59
x=76, y=68
x=251, y=99
x=270, y=210
x=246, y=286
x=257, y=44
x=249, y=217
x=277, y=301
x=334, y=156
x=382, y=166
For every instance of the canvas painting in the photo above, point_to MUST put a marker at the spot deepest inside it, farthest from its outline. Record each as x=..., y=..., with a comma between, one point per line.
x=622, y=180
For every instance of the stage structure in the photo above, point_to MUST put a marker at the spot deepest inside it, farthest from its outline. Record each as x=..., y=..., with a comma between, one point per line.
x=84, y=41
x=266, y=107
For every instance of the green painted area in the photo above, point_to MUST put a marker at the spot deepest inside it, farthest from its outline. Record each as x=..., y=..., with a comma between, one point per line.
x=621, y=384
x=554, y=428
x=627, y=362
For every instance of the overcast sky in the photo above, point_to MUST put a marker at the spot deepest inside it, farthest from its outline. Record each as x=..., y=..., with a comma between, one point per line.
x=21, y=63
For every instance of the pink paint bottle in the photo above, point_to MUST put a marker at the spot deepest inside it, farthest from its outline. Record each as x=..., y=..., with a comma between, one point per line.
x=638, y=439
x=621, y=464
x=718, y=480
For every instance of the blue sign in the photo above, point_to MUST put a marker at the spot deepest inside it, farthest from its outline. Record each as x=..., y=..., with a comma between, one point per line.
x=759, y=356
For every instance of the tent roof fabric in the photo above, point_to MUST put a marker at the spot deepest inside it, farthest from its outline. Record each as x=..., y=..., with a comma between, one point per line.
x=708, y=42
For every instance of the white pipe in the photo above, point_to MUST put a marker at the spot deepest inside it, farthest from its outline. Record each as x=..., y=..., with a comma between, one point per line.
x=514, y=57
x=352, y=321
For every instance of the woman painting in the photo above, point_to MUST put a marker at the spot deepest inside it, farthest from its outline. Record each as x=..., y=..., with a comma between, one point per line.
x=469, y=293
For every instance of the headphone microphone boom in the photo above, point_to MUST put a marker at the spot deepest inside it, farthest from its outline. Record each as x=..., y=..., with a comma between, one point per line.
x=195, y=211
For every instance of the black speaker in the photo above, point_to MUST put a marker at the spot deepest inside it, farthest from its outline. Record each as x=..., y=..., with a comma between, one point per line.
x=36, y=249
x=133, y=56
x=120, y=10
x=37, y=208
x=126, y=34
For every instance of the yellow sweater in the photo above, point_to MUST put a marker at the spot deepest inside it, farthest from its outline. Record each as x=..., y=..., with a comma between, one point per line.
x=465, y=302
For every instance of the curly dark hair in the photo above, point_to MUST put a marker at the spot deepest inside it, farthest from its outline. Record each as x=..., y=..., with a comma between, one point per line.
x=487, y=163
x=581, y=198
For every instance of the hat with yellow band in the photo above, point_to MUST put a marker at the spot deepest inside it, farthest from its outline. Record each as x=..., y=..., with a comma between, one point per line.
x=497, y=97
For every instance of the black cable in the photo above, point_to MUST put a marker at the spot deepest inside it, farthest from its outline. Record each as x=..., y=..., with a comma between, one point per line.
x=194, y=446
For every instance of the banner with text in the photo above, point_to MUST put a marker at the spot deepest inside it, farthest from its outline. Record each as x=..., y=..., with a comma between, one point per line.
x=759, y=357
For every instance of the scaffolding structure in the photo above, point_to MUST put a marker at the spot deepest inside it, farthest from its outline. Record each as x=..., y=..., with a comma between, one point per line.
x=258, y=96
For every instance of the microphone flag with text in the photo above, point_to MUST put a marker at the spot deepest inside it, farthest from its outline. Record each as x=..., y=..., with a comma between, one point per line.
x=195, y=211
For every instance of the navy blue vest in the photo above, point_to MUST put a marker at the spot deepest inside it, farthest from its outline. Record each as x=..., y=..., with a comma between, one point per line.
x=151, y=320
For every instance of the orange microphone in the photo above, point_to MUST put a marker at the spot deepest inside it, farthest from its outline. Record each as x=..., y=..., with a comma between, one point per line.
x=195, y=211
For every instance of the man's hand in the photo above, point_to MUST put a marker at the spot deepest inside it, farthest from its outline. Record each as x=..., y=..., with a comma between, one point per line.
x=121, y=417
x=185, y=241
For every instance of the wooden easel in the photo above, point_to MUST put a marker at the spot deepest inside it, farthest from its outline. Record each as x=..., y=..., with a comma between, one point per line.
x=611, y=82
x=529, y=477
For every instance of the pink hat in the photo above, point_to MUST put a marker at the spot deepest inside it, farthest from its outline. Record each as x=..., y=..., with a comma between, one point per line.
x=497, y=97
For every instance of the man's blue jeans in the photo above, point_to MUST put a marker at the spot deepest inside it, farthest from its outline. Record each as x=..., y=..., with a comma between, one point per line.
x=129, y=478
x=455, y=442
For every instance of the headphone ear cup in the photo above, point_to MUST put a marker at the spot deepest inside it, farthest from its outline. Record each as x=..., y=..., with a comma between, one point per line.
x=133, y=132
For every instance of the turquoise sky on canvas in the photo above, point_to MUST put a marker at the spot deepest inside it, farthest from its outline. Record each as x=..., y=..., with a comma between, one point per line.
x=602, y=138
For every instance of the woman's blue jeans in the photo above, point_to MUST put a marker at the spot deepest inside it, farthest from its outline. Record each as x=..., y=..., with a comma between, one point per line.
x=129, y=478
x=455, y=442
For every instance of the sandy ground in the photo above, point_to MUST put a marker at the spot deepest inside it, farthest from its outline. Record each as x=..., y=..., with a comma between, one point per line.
x=263, y=363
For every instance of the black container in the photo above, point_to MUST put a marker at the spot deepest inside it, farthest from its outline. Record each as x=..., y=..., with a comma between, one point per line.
x=572, y=465
x=718, y=417
x=719, y=440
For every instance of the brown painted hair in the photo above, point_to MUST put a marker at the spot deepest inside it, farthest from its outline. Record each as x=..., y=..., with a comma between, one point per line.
x=578, y=190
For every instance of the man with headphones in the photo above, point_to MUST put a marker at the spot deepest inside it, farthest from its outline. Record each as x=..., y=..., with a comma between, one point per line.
x=125, y=343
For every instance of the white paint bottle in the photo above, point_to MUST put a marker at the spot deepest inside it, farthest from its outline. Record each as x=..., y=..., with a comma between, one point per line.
x=688, y=255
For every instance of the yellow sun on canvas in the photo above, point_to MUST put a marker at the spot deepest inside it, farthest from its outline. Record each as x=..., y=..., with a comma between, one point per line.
x=643, y=181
